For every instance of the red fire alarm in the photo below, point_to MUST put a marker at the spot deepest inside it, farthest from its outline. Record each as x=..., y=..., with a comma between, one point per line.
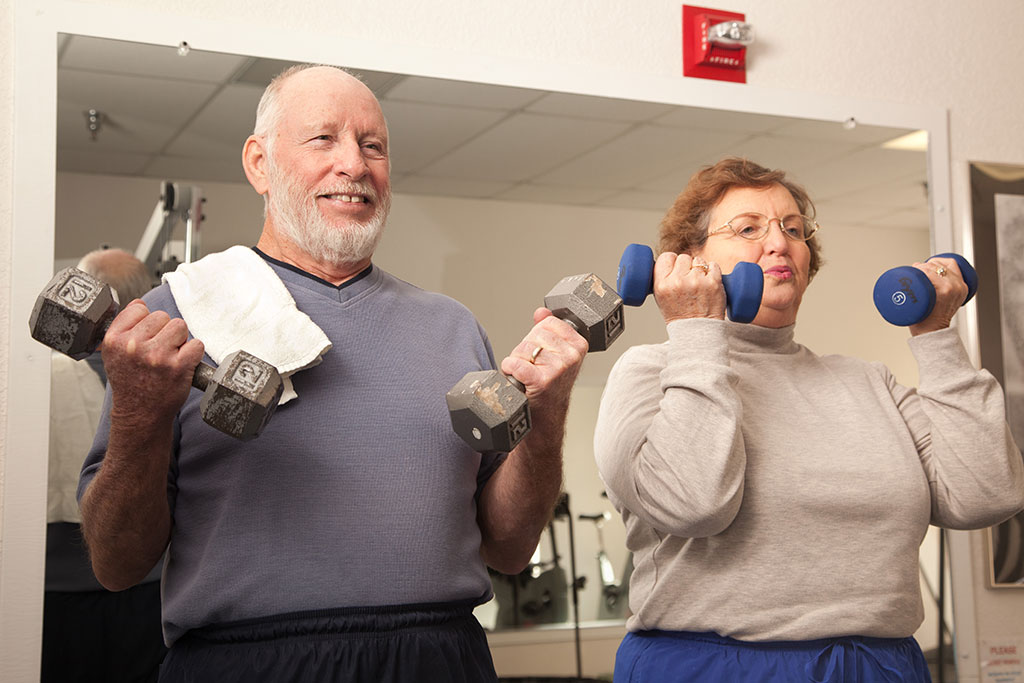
x=715, y=44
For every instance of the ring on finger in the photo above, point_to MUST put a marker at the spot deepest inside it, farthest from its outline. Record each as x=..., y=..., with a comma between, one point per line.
x=535, y=353
x=702, y=265
x=941, y=270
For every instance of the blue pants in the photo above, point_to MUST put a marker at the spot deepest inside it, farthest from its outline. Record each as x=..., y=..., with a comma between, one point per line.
x=668, y=656
x=443, y=643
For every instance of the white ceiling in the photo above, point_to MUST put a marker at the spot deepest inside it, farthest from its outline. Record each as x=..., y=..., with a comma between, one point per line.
x=178, y=117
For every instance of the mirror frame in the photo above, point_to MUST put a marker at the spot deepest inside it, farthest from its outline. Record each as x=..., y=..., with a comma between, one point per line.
x=37, y=25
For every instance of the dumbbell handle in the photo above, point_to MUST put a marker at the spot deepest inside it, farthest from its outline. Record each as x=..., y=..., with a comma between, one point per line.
x=743, y=287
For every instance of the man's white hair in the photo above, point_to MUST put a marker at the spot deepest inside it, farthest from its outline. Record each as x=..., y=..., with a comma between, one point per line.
x=269, y=111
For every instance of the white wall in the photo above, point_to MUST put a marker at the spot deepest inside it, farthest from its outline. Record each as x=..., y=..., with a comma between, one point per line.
x=918, y=51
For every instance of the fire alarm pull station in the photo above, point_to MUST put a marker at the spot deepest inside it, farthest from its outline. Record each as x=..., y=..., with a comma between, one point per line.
x=715, y=44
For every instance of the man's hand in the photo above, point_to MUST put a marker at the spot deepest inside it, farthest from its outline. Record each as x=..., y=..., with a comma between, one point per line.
x=149, y=361
x=547, y=361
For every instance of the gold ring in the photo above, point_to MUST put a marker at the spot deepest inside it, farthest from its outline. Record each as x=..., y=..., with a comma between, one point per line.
x=536, y=352
x=941, y=271
x=703, y=266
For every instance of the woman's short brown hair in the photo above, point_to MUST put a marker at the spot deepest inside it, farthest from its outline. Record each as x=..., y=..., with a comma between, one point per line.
x=684, y=229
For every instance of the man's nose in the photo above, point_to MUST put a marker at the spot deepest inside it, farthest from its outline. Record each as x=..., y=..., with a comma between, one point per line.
x=348, y=160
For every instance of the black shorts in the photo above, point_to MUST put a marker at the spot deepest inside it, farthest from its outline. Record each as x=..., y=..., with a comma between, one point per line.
x=406, y=643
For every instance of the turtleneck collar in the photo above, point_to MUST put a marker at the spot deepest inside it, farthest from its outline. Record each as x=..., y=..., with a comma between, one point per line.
x=748, y=338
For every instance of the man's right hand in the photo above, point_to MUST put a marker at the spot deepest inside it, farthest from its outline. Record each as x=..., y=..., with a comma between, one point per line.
x=149, y=361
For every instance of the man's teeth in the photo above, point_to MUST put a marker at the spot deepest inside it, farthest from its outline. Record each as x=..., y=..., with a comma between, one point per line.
x=355, y=199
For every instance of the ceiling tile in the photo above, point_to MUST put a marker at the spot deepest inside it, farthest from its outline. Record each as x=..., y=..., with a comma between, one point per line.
x=899, y=194
x=123, y=133
x=640, y=154
x=791, y=155
x=863, y=169
x=453, y=187
x=133, y=98
x=835, y=130
x=553, y=194
x=716, y=119
x=638, y=199
x=423, y=133
x=153, y=61
x=587, y=107
x=524, y=146
x=462, y=93
x=221, y=127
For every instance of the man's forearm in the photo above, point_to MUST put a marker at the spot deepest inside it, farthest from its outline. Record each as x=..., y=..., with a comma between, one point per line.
x=126, y=519
x=518, y=501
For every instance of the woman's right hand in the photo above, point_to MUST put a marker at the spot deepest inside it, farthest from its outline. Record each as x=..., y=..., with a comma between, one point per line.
x=686, y=287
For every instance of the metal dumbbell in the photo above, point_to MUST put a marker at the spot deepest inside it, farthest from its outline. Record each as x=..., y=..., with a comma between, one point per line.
x=74, y=312
x=905, y=296
x=743, y=286
x=489, y=410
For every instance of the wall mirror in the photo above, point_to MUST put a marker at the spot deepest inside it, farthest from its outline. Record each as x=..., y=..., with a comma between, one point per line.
x=506, y=178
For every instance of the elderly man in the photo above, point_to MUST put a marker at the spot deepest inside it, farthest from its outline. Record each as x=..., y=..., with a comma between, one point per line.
x=349, y=541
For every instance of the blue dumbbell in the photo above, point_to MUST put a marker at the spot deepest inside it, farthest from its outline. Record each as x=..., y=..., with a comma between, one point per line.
x=905, y=296
x=743, y=287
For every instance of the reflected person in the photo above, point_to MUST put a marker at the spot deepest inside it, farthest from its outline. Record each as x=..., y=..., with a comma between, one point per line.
x=774, y=499
x=89, y=633
x=348, y=541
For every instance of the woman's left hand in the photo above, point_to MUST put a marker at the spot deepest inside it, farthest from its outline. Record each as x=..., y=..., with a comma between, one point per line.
x=950, y=292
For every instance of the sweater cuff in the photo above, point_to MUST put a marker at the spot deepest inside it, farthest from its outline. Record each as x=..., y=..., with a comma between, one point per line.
x=702, y=340
x=940, y=354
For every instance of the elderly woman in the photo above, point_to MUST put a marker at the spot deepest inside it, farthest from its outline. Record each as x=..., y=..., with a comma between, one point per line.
x=774, y=499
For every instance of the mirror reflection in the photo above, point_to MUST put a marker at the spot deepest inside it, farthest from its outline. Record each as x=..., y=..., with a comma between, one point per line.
x=499, y=192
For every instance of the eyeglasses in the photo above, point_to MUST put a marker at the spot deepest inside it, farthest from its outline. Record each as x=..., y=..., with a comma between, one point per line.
x=754, y=226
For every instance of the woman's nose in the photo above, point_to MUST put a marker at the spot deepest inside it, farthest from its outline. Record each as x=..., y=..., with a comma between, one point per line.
x=776, y=241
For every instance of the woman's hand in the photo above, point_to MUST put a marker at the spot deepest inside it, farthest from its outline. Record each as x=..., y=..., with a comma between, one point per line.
x=950, y=292
x=686, y=287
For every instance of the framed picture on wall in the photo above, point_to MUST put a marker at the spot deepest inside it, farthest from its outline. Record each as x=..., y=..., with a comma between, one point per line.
x=997, y=207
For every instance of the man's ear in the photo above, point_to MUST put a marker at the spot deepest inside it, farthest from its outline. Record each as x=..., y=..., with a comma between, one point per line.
x=254, y=162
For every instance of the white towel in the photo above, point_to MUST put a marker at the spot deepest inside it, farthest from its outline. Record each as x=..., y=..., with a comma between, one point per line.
x=233, y=300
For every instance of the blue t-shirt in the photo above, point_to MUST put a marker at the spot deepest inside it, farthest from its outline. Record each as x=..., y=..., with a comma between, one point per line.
x=357, y=493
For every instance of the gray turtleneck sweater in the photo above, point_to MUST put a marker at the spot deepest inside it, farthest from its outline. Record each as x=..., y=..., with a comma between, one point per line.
x=770, y=493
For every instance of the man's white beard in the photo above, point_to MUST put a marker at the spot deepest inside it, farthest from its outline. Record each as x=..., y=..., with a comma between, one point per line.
x=301, y=221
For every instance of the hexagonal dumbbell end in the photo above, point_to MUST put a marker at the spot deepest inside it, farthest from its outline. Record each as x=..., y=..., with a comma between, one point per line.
x=589, y=305
x=240, y=395
x=73, y=313
x=489, y=411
